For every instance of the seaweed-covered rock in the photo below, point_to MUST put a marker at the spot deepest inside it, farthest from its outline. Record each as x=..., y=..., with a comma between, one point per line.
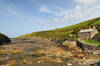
x=4, y=39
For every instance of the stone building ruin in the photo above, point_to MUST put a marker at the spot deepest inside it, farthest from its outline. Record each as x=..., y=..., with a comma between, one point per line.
x=87, y=33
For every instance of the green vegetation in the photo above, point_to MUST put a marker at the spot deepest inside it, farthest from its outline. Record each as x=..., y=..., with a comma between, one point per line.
x=64, y=33
x=92, y=42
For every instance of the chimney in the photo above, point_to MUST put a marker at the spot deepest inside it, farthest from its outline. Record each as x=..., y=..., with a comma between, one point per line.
x=94, y=27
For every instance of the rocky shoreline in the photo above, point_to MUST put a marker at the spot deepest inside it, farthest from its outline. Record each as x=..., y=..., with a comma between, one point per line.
x=44, y=52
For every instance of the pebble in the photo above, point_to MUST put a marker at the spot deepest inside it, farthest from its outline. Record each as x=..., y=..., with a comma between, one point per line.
x=69, y=64
x=64, y=65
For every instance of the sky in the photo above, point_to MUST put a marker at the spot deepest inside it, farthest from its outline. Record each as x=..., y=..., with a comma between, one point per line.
x=19, y=17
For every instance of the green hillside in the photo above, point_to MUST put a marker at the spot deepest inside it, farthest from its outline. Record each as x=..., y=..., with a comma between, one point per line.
x=64, y=33
x=3, y=39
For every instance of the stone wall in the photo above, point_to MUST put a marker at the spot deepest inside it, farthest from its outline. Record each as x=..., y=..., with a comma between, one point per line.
x=85, y=46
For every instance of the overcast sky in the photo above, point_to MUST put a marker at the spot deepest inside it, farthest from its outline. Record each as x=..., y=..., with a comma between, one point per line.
x=18, y=17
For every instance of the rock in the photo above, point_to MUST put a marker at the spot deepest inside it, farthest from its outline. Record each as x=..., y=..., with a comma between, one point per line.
x=69, y=64
x=70, y=43
x=84, y=62
x=4, y=39
x=64, y=65
x=57, y=41
x=96, y=52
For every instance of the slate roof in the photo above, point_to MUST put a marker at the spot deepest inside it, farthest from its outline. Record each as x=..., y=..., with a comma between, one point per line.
x=87, y=30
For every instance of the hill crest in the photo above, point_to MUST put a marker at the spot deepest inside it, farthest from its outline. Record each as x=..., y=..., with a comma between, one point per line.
x=63, y=33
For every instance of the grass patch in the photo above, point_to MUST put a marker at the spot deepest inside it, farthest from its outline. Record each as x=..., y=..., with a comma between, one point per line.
x=92, y=42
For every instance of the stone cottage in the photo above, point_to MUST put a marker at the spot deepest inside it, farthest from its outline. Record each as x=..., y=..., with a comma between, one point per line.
x=87, y=33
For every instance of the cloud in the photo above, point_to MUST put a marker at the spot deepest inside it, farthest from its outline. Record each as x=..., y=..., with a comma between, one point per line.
x=83, y=9
x=86, y=2
x=61, y=12
x=79, y=13
x=10, y=10
x=46, y=10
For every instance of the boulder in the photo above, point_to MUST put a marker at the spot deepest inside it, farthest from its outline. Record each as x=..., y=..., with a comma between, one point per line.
x=70, y=43
x=4, y=39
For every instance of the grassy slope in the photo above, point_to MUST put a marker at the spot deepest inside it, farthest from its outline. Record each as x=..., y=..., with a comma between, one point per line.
x=63, y=33
x=92, y=42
